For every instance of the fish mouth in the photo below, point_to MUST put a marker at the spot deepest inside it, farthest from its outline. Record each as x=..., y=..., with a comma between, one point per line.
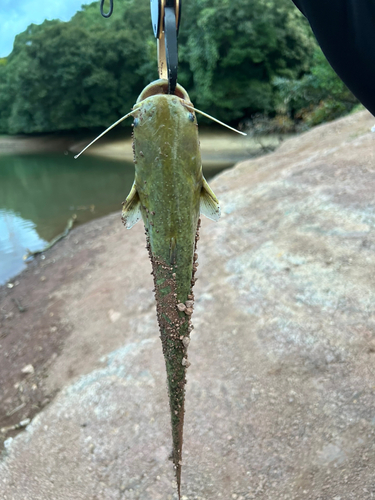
x=161, y=87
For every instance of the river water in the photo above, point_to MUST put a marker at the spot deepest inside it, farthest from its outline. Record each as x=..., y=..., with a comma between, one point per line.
x=40, y=193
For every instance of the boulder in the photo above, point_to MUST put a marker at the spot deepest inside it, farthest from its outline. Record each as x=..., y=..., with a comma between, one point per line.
x=281, y=389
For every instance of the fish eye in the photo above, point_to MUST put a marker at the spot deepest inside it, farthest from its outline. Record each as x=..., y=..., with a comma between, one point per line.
x=191, y=117
x=136, y=122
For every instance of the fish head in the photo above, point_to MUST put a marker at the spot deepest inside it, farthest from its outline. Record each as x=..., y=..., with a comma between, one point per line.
x=154, y=102
x=160, y=87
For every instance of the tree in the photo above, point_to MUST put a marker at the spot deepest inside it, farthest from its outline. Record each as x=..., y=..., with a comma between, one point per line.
x=234, y=49
x=89, y=71
x=73, y=75
x=318, y=96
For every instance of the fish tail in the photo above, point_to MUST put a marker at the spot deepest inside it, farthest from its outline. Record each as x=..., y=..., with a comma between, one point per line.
x=174, y=315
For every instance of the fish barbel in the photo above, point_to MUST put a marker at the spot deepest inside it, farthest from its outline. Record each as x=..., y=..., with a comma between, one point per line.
x=169, y=193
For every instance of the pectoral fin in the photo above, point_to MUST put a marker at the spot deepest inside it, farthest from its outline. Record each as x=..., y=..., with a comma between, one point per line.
x=209, y=203
x=131, y=211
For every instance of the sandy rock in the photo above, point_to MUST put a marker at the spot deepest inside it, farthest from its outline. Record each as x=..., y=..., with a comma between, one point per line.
x=280, y=394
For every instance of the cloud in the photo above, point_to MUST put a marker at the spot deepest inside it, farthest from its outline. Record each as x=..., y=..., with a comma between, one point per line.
x=17, y=15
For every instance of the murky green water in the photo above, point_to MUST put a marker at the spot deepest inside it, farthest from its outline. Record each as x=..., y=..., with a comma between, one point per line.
x=39, y=194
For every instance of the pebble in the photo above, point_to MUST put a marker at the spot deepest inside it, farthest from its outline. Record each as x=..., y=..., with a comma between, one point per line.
x=186, y=341
x=28, y=369
x=185, y=362
x=181, y=307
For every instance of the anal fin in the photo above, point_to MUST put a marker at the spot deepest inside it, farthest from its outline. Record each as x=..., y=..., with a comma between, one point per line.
x=209, y=204
x=131, y=211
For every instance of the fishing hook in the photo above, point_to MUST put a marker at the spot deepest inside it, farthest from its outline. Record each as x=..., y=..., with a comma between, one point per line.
x=109, y=13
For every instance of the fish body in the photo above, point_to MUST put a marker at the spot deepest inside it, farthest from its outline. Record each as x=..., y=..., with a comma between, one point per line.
x=169, y=193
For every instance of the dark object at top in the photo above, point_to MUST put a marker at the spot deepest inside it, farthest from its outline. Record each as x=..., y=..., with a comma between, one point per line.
x=171, y=49
x=345, y=30
x=109, y=13
x=157, y=7
x=165, y=18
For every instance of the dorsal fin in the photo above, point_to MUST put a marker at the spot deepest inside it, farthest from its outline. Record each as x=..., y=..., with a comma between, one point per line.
x=209, y=205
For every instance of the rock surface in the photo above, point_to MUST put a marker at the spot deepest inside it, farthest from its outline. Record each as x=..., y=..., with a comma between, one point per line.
x=281, y=391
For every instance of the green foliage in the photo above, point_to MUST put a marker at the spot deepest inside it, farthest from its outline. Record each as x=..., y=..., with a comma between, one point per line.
x=235, y=48
x=318, y=96
x=5, y=105
x=88, y=72
x=78, y=74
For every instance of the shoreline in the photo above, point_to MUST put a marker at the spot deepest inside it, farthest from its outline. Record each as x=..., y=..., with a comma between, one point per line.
x=218, y=148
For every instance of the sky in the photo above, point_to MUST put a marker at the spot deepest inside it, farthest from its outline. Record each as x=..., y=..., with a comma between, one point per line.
x=16, y=15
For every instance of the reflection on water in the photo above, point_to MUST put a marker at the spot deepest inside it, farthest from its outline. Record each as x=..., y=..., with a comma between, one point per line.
x=17, y=235
x=39, y=193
